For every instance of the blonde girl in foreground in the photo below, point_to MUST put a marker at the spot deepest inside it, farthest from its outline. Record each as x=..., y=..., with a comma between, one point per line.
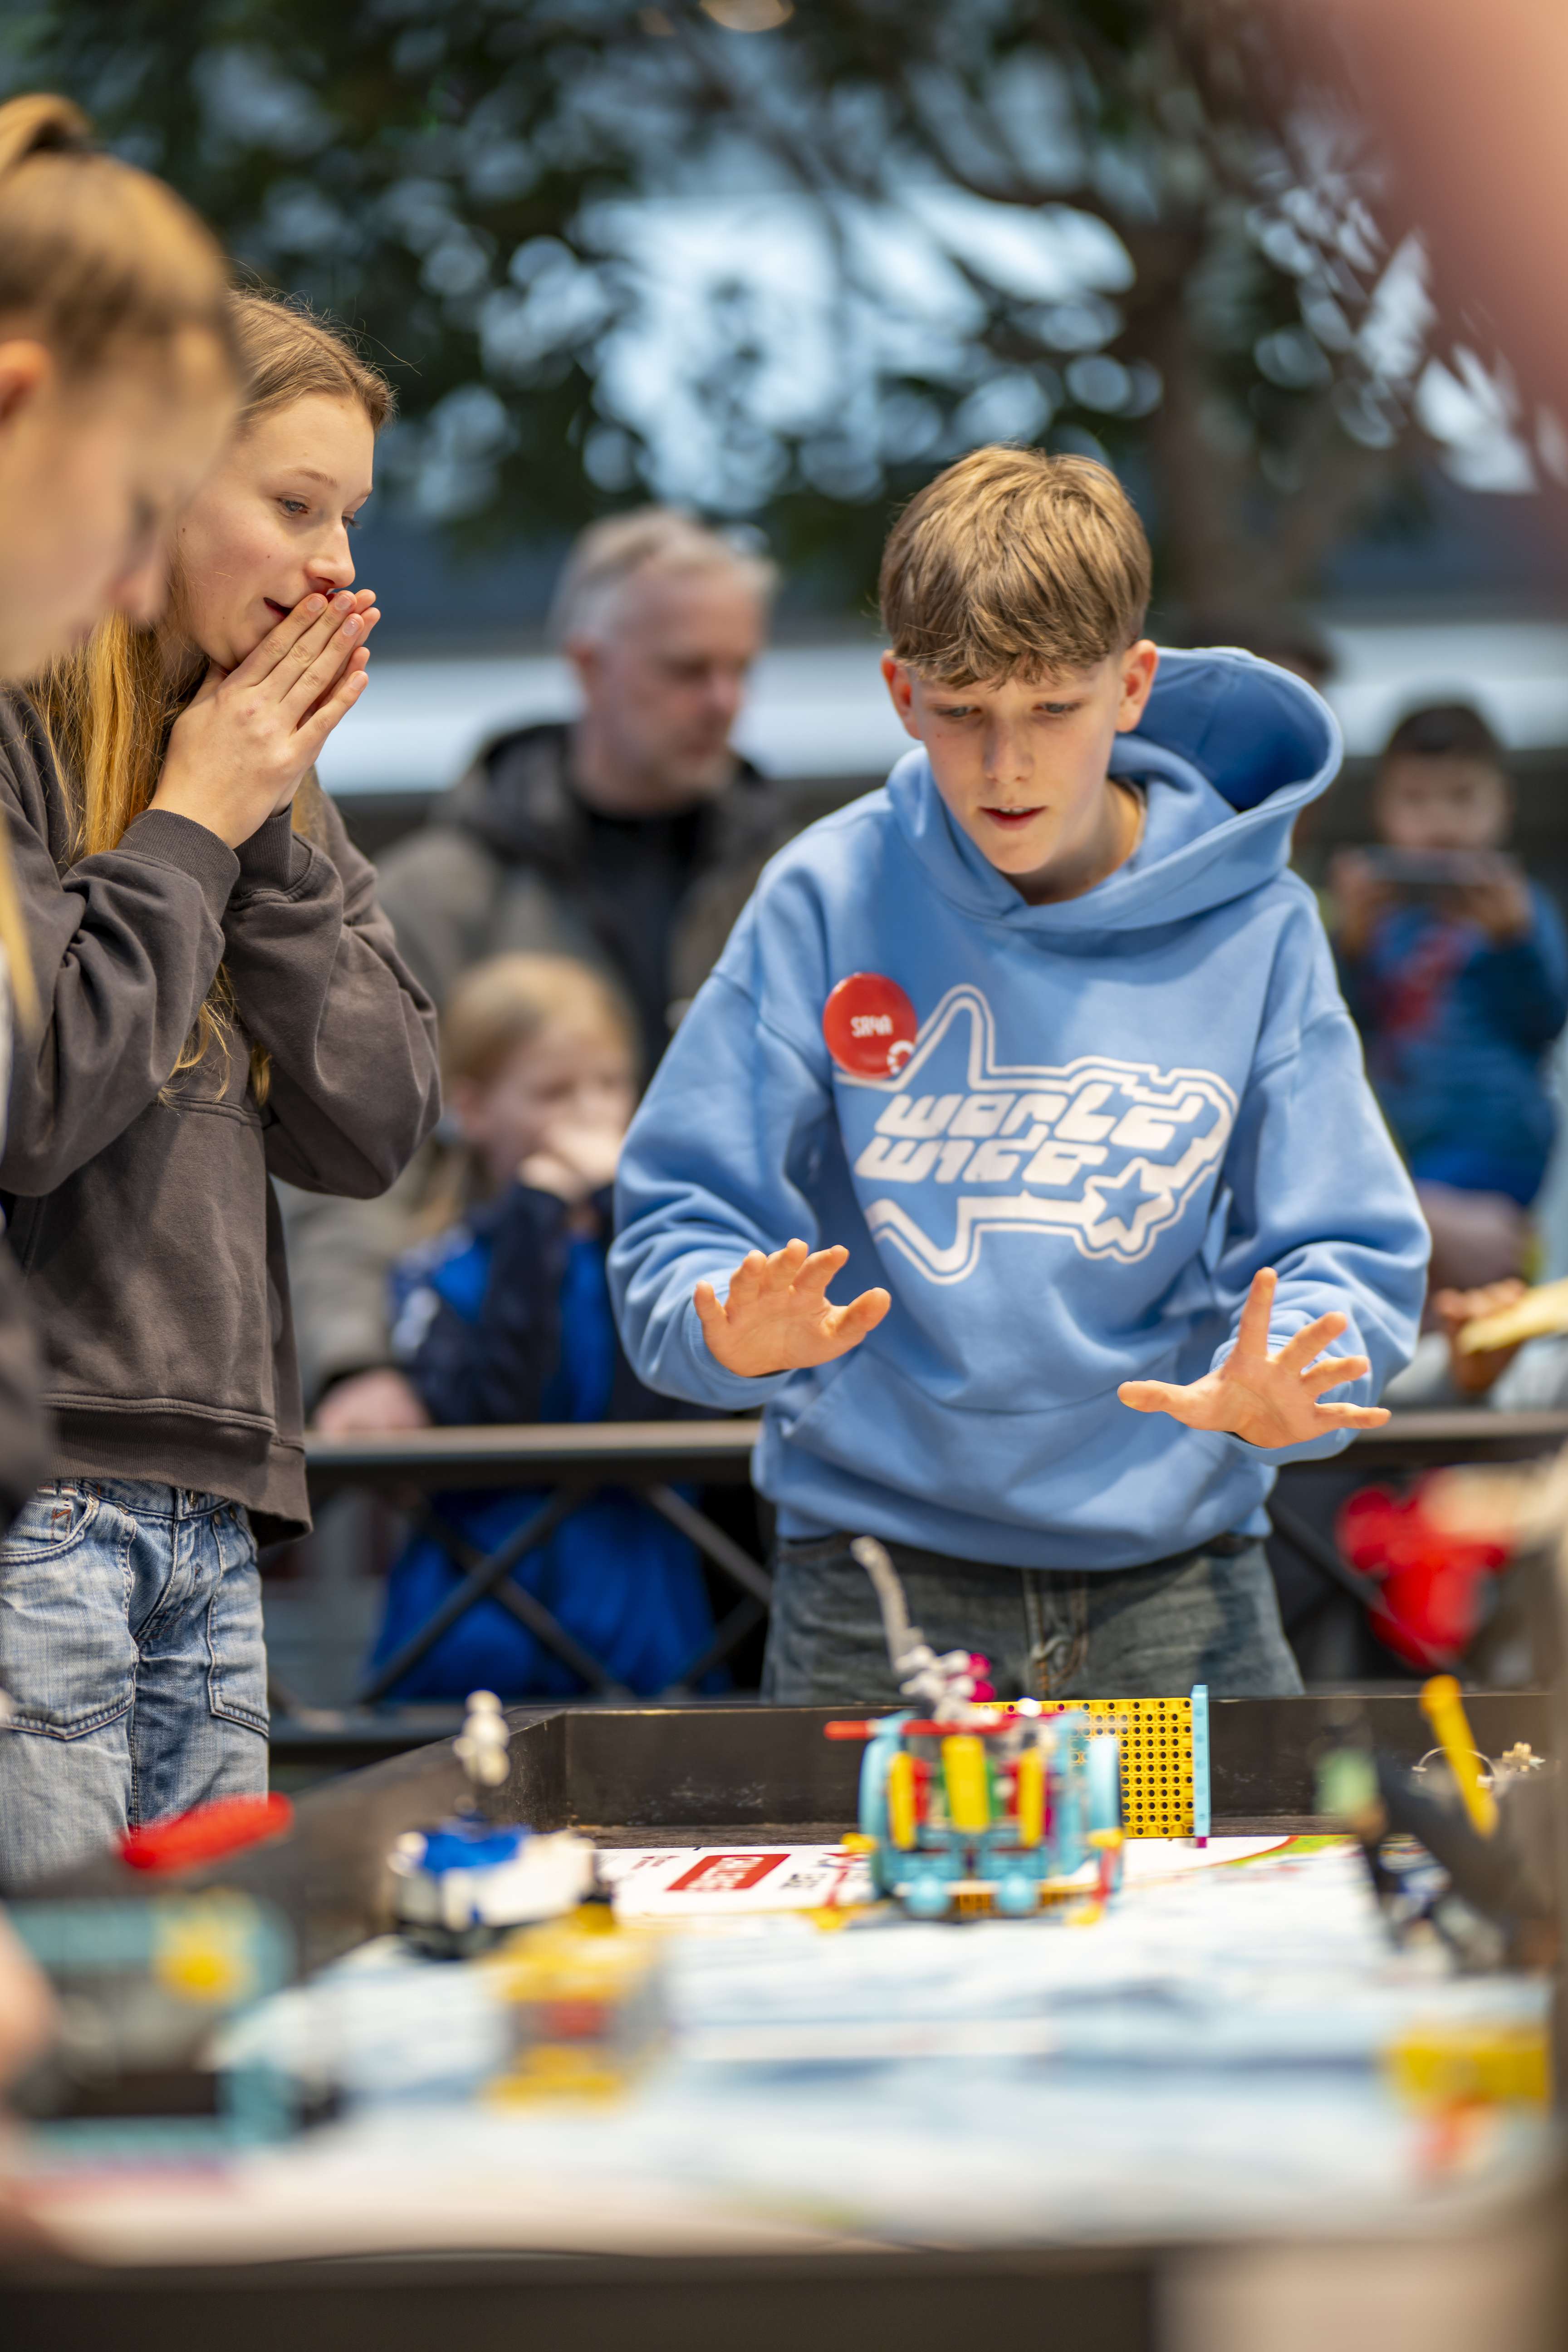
x=222, y=1002
x=118, y=386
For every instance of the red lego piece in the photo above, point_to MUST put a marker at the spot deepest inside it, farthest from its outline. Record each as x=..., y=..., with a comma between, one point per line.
x=1431, y=1583
x=206, y=1833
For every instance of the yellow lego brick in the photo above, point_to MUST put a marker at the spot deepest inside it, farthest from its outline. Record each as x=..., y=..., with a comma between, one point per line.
x=1156, y=1736
x=1031, y=1770
x=965, y=1781
x=1443, y=2066
x=901, y=1799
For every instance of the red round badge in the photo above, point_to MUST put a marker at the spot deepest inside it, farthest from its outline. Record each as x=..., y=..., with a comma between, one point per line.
x=869, y=1025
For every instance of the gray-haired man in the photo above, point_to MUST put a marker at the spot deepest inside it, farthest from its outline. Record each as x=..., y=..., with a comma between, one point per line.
x=630, y=836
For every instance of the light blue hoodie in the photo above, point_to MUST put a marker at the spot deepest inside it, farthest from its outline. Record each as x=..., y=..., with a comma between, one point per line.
x=1116, y=1109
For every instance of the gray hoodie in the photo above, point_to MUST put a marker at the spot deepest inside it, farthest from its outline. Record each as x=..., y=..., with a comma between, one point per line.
x=139, y=1206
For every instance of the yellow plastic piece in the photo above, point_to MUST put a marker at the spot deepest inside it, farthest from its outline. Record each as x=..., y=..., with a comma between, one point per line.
x=585, y=2006
x=200, y=1952
x=856, y=1842
x=1031, y=1771
x=1468, y=2066
x=1156, y=1736
x=1445, y=1711
x=963, y=1776
x=552, y=2072
x=973, y=1903
x=901, y=1799
x=1112, y=1839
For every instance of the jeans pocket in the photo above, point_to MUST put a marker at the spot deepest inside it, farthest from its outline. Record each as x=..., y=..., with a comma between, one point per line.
x=68, y=1661
x=237, y=1647
x=48, y=1523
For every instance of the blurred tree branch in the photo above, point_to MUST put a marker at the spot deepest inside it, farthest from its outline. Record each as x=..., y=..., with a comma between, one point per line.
x=492, y=190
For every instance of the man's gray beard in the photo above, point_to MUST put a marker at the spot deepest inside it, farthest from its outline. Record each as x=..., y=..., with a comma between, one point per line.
x=698, y=781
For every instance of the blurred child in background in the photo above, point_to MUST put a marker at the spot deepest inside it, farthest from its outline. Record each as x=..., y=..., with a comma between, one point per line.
x=1456, y=970
x=504, y=1316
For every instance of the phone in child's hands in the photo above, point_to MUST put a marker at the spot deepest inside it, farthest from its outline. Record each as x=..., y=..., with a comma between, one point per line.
x=1419, y=870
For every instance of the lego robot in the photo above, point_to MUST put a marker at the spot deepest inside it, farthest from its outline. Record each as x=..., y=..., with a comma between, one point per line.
x=463, y=1884
x=969, y=1807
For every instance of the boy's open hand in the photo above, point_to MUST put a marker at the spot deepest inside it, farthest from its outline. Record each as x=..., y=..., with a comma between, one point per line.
x=1268, y=1400
x=777, y=1318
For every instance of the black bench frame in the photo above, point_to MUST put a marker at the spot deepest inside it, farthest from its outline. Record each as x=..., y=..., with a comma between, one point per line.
x=570, y=1462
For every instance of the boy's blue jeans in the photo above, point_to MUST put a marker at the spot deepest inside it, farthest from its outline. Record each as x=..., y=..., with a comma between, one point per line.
x=132, y=1654
x=1208, y=1616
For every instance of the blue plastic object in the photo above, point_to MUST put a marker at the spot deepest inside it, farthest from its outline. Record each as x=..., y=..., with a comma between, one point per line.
x=457, y=1847
x=1201, y=1813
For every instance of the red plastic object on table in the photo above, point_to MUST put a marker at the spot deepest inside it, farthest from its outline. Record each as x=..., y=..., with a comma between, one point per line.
x=206, y=1833
x=1428, y=1605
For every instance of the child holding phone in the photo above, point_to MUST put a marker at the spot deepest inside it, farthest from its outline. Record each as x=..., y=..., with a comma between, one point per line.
x=221, y=1001
x=1455, y=971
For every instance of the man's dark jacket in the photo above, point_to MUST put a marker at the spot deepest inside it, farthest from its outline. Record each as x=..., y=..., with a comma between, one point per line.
x=515, y=860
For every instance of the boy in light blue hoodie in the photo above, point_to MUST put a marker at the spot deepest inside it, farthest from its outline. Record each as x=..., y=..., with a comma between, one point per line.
x=1040, y=1046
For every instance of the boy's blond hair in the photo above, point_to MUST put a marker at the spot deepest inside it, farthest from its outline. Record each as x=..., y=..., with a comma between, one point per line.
x=1012, y=561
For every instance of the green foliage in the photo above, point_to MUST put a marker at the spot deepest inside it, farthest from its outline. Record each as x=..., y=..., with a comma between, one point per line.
x=461, y=180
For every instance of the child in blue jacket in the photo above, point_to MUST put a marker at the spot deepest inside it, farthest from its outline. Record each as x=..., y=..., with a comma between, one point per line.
x=503, y=1315
x=1041, y=1046
x=1459, y=988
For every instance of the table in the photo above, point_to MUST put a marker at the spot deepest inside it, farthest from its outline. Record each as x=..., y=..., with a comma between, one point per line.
x=735, y=1772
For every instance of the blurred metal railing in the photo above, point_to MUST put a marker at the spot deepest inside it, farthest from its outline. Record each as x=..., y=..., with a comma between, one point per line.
x=566, y=1464
x=570, y=1462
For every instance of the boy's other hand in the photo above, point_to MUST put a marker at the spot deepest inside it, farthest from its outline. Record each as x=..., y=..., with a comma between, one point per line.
x=1267, y=1399
x=1474, y=1375
x=778, y=1317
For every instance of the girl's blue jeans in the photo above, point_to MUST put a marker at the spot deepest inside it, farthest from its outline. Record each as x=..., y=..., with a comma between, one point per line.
x=133, y=1659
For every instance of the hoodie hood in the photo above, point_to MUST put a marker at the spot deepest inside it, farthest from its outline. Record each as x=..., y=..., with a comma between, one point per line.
x=1229, y=751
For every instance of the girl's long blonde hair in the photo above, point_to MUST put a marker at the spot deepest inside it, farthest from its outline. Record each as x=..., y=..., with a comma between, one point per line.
x=108, y=709
x=103, y=264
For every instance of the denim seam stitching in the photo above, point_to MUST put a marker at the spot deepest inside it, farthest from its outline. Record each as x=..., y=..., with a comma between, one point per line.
x=134, y=1773
x=20, y=1720
x=227, y=1710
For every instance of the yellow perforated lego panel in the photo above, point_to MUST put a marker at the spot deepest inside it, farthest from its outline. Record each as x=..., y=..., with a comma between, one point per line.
x=1156, y=1737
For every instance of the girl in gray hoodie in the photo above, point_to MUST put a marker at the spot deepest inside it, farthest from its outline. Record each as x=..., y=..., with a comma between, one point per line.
x=118, y=381
x=221, y=1001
